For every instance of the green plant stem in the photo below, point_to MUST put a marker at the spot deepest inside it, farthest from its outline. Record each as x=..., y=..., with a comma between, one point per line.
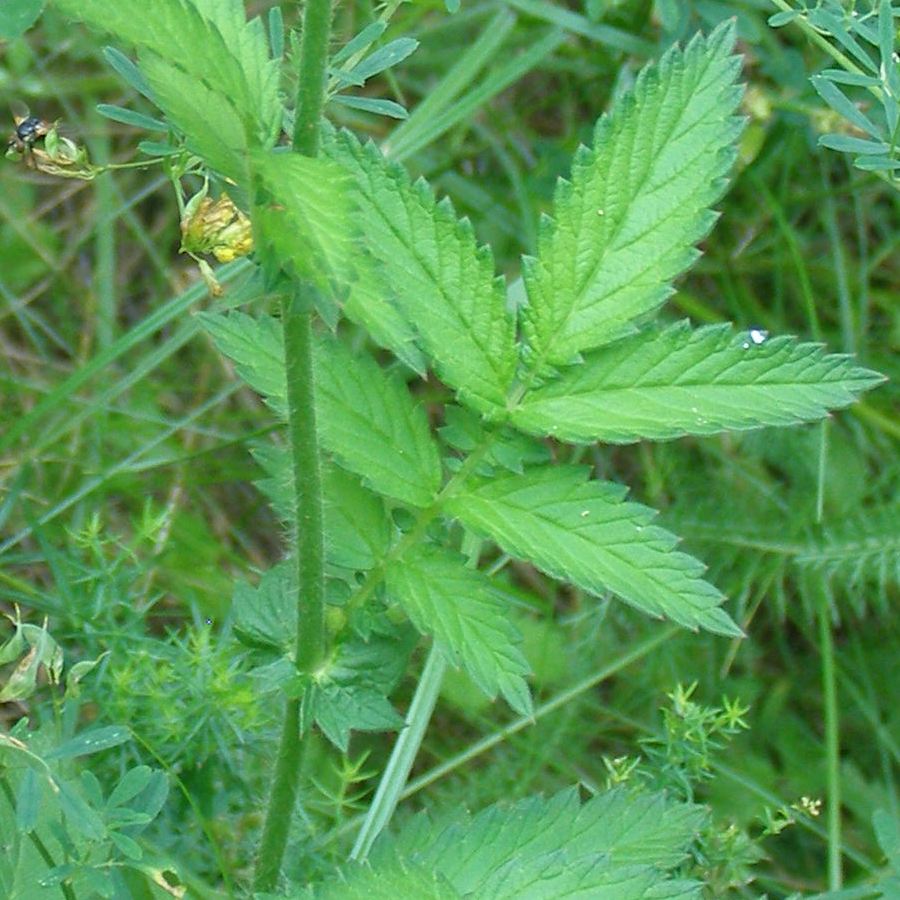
x=296, y=317
x=832, y=747
x=403, y=756
x=313, y=66
x=307, y=476
x=281, y=800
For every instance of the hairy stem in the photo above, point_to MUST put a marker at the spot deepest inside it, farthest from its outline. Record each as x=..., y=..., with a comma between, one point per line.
x=296, y=313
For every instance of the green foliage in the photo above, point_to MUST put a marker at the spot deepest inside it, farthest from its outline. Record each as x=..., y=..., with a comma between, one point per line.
x=56, y=826
x=436, y=275
x=466, y=525
x=616, y=845
x=458, y=607
x=862, y=39
x=582, y=531
x=369, y=421
x=678, y=381
x=624, y=226
x=350, y=691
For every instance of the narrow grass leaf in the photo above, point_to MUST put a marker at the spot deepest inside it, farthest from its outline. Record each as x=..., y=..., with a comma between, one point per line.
x=615, y=39
x=459, y=608
x=665, y=384
x=514, y=67
x=584, y=532
x=442, y=95
x=442, y=282
x=637, y=202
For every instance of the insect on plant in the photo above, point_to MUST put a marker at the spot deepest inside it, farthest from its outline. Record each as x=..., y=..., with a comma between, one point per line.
x=29, y=130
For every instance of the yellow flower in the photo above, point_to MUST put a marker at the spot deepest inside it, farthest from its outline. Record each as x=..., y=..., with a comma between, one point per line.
x=217, y=227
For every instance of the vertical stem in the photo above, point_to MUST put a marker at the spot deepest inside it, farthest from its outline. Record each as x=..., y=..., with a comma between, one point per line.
x=313, y=64
x=832, y=747
x=296, y=313
x=303, y=442
x=829, y=690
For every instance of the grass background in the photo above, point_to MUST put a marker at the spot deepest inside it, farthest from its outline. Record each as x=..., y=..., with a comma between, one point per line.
x=126, y=509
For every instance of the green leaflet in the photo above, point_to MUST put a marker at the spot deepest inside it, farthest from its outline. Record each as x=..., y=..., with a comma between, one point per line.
x=372, y=425
x=367, y=418
x=368, y=304
x=631, y=828
x=468, y=620
x=209, y=119
x=256, y=347
x=536, y=848
x=583, y=532
x=249, y=44
x=637, y=202
x=350, y=693
x=442, y=282
x=303, y=216
x=211, y=42
x=356, y=526
x=665, y=384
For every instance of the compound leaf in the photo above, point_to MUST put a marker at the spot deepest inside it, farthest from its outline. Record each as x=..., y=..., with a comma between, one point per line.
x=442, y=282
x=584, y=532
x=665, y=384
x=637, y=202
x=467, y=618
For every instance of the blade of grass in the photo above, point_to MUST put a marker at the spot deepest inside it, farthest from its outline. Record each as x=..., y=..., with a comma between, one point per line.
x=427, y=131
x=390, y=788
x=30, y=423
x=606, y=35
x=455, y=81
x=124, y=465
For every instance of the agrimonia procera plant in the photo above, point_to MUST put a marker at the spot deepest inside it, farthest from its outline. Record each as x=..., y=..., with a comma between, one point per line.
x=386, y=515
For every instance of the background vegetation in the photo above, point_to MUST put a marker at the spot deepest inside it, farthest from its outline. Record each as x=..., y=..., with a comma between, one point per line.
x=127, y=510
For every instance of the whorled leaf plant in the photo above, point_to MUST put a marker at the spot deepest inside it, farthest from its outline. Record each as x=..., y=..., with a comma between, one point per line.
x=406, y=507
